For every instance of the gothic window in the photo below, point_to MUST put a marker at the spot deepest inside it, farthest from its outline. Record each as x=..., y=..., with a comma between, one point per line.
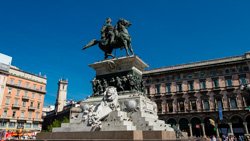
x=215, y=82
x=193, y=105
x=178, y=77
x=170, y=107
x=228, y=81
x=179, y=87
x=219, y=104
x=243, y=79
x=246, y=68
x=233, y=103
x=227, y=71
x=202, y=84
x=191, y=85
x=168, y=88
x=158, y=89
x=182, y=107
x=190, y=76
x=206, y=105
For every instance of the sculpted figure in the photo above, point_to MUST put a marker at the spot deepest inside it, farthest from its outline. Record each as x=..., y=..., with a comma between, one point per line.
x=119, y=84
x=99, y=87
x=124, y=82
x=96, y=113
x=131, y=82
x=112, y=38
x=94, y=83
x=104, y=84
x=107, y=32
x=112, y=82
x=142, y=86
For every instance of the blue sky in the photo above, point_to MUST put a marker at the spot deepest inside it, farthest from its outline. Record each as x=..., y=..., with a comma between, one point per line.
x=47, y=36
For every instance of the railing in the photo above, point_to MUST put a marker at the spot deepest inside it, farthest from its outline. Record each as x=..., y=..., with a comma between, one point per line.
x=25, y=97
x=31, y=108
x=15, y=106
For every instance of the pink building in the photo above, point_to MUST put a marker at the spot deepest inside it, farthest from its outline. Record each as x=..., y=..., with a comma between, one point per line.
x=22, y=101
x=191, y=95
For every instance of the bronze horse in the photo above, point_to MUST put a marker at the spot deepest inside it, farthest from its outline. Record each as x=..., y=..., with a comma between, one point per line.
x=121, y=37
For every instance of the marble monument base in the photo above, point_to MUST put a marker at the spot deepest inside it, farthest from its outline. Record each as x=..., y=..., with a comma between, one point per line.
x=136, y=112
x=108, y=135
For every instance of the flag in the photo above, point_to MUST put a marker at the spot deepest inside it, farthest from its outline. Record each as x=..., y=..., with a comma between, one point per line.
x=220, y=111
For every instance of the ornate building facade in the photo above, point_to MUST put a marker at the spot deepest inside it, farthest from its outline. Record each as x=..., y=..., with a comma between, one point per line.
x=203, y=98
x=22, y=100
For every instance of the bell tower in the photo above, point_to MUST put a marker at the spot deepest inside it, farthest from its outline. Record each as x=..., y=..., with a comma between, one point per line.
x=61, y=95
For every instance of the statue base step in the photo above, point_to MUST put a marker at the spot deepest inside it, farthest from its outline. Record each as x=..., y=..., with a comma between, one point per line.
x=108, y=135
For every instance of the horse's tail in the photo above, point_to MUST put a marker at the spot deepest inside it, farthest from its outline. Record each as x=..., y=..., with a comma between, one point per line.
x=90, y=44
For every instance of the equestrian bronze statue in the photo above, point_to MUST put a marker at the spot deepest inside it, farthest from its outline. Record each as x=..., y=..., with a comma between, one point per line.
x=113, y=38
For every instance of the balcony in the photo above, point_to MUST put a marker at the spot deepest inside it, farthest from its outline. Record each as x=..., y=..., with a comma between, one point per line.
x=21, y=118
x=31, y=108
x=37, y=119
x=16, y=106
x=5, y=117
x=25, y=97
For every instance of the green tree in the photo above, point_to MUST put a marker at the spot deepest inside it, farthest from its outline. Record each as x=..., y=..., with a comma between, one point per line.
x=57, y=123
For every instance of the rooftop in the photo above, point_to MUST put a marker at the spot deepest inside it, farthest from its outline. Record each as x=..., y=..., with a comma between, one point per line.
x=200, y=63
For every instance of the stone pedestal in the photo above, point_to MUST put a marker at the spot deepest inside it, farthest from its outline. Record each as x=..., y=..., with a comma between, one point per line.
x=124, y=73
x=107, y=135
x=127, y=114
x=136, y=112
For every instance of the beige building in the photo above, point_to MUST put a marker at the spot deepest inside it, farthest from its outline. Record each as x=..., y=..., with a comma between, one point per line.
x=191, y=95
x=22, y=101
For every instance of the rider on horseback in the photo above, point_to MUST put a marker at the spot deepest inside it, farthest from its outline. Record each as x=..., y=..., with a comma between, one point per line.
x=107, y=32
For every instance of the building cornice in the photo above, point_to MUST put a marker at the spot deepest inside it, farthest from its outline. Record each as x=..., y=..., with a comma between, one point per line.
x=200, y=64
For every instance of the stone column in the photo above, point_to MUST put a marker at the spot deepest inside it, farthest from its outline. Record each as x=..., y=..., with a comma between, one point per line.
x=174, y=106
x=229, y=104
x=231, y=128
x=167, y=107
x=203, y=129
x=190, y=105
x=244, y=101
x=202, y=105
x=246, y=128
x=163, y=106
x=178, y=106
x=190, y=129
x=178, y=126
